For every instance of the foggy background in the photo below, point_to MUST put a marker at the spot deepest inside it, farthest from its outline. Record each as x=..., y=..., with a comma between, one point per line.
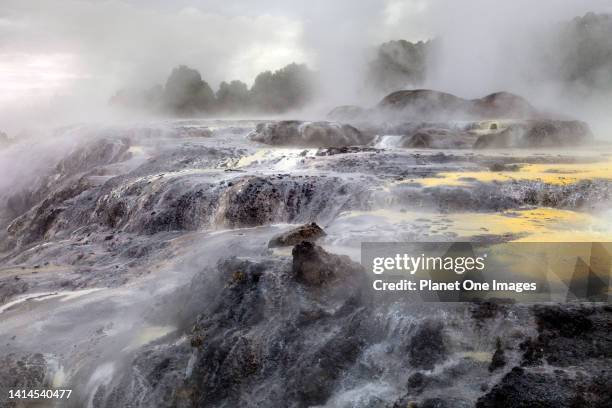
x=61, y=61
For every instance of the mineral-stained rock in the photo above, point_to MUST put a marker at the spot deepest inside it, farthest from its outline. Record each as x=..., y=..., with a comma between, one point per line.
x=309, y=134
x=252, y=201
x=538, y=133
x=307, y=232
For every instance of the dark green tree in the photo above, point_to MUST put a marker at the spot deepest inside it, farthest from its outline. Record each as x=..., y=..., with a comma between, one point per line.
x=233, y=97
x=280, y=91
x=186, y=93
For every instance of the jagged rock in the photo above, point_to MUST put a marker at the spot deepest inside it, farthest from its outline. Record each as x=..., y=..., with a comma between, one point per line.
x=427, y=346
x=521, y=388
x=313, y=266
x=417, y=382
x=252, y=201
x=307, y=232
x=101, y=152
x=253, y=328
x=538, y=133
x=309, y=134
x=569, y=335
x=45, y=218
x=498, y=360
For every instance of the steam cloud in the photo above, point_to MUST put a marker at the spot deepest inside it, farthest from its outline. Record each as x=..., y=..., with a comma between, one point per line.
x=65, y=59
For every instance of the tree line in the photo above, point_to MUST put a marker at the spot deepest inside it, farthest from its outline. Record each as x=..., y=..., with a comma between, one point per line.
x=185, y=93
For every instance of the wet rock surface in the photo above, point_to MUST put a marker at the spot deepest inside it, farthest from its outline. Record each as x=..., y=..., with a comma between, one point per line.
x=143, y=255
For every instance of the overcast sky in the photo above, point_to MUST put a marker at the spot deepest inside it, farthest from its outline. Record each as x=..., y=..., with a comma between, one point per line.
x=90, y=48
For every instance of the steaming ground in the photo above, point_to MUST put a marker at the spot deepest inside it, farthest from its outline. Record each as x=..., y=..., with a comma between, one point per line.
x=136, y=271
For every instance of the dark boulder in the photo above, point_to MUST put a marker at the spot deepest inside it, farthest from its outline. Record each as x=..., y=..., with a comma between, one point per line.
x=425, y=104
x=503, y=105
x=538, y=133
x=428, y=346
x=307, y=232
x=309, y=134
x=313, y=266
x=437, y=138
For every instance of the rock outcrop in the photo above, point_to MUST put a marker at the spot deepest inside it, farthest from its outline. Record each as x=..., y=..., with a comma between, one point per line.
x=425, y=104
x=438, y=138
x=313, y=266
x=574, y=344
x=309, y=134
x=538, y=133
x=307, y=232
